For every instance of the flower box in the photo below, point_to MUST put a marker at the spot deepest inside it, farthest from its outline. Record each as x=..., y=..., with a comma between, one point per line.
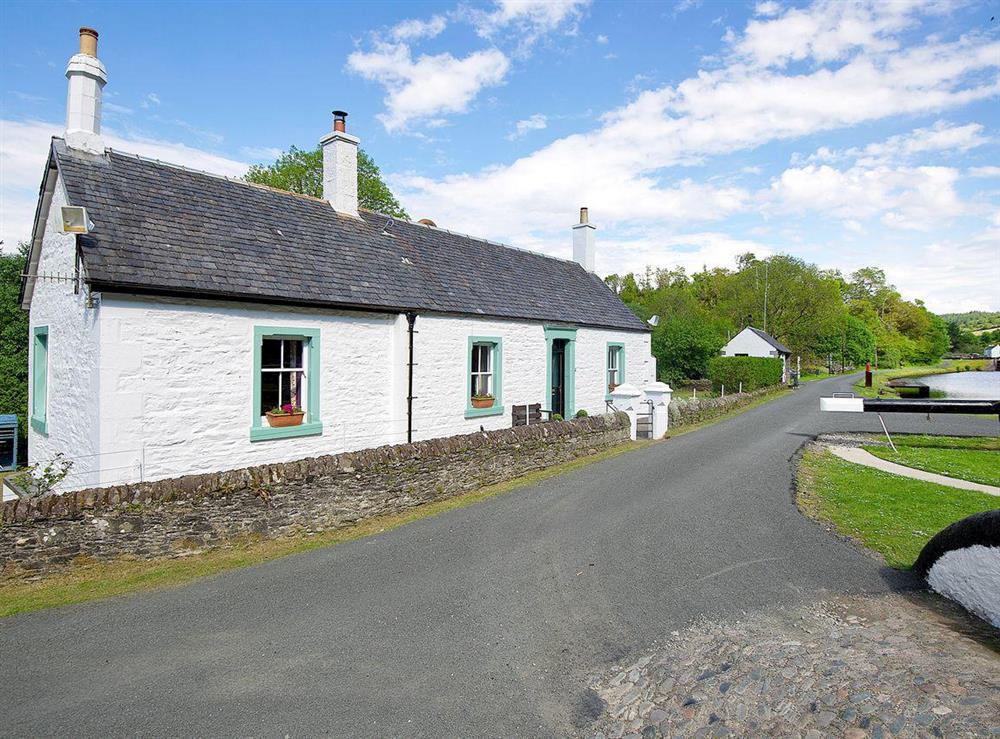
x=285, y=416
x=482, y=401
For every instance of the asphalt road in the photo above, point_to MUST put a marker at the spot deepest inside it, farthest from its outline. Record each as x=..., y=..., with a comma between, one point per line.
x=484, y=621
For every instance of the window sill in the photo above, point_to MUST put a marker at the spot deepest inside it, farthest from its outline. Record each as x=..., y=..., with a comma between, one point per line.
x=40, y=425
x=263, y=433
x=496, y=410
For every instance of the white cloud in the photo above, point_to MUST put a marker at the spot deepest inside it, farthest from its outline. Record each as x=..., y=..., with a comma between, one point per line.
x=532, y=18
x=987, y=171
x=767, y=9
x=918, y=198
x=261, y=153
x=953, y=275
x=601, y=39
x=151, y=99
x=825, y=31
x=535, y=123
x=619, y=166
x=853, y=68
x=428, y=86
x=24, y=147
x=666, y=249
x=942, y=136
x=414, y=28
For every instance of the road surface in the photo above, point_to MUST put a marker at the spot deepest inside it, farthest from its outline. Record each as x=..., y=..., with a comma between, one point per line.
x=483, y=621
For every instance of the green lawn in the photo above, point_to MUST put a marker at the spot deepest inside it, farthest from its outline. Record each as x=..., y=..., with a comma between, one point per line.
x=895, y=516
x=975, y=465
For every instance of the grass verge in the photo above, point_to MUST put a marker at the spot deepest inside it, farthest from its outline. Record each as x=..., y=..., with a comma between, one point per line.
x=891, y=515
x=765, y=398
x=977, y=460
x=93, y=581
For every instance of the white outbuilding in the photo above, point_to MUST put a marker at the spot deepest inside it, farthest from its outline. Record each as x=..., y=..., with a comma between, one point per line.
x=182, y=322
x=992, y=352
x=752, y=342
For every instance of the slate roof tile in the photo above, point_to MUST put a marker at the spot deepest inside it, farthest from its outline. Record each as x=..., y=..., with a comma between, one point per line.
x=164, y=228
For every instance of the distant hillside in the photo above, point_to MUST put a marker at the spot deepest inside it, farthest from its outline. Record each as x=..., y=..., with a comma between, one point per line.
x=975, y=321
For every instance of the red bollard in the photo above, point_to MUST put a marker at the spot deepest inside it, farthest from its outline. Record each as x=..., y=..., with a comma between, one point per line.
x=868, y=374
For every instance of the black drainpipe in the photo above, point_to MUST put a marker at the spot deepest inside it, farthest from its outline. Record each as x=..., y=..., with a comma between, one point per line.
x=411, y=318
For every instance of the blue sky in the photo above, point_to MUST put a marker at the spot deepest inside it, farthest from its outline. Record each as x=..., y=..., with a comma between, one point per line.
x=846, y=133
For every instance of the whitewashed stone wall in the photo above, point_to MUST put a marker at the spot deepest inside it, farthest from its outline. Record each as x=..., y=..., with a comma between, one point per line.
x=177, y=384
x=73, y=355
x=440, y=375
x=149, y=389
x=176, y=380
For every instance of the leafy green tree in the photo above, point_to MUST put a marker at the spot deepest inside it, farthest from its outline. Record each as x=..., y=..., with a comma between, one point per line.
x=301, y=171
x=14, y=342
x=963, y=341
x=800, y=301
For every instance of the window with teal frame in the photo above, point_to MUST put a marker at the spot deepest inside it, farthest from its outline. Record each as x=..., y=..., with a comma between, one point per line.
x=286, y=369
x=40, y=379
x=484, y=377
x=615, y=363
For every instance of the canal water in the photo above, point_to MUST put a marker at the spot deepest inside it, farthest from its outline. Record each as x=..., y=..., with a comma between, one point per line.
x=979, y=385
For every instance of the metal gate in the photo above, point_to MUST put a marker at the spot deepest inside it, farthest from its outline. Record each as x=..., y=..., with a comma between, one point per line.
x=644, y=420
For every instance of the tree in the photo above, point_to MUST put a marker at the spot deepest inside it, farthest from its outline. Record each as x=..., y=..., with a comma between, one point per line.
x=301, y=171
x=14, y=342
x=800, y=301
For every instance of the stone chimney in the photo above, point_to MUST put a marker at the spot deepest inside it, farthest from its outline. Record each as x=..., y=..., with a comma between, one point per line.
x=87, y=78
x=584, y=249
x=340, y=166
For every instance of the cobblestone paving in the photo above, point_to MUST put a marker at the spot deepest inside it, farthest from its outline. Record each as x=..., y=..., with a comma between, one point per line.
x=910, y=665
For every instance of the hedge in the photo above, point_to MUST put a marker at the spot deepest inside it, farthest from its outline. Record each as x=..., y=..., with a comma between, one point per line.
x=753, y=372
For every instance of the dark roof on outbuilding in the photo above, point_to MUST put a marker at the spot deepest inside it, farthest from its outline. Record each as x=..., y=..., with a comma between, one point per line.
x=163, y=229
x=771, y=340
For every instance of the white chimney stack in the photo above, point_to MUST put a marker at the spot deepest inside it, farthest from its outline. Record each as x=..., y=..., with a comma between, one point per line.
x=584, y=249
x=340, y=166
x=87, y=78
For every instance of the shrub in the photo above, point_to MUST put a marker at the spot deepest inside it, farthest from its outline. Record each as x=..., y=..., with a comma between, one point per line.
x=581, y=413
x=753, y=372
x=557, y=417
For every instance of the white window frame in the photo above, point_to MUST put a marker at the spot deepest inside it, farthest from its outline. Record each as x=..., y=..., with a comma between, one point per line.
x=489, y=354
x=281, y=371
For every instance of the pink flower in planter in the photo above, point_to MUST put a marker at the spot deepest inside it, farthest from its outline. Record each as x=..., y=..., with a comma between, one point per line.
x=288, y=408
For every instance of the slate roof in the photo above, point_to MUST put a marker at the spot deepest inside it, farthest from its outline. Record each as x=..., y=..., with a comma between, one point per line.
x=159, y=228
x=771, y=340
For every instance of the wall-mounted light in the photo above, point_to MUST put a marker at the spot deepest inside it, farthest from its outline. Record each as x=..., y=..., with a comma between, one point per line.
x=74, y=220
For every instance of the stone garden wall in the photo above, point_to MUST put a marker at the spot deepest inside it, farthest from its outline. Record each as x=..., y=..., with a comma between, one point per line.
x=684, y=412
x=173, y=517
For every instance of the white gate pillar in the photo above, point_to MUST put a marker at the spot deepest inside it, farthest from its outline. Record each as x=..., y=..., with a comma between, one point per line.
x=659, y=393
x=626, y=398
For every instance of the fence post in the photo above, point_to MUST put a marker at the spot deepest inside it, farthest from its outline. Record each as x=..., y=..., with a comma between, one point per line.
x=723, y=391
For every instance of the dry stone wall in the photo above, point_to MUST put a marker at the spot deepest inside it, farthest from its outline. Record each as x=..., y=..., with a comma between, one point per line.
x=684, y=412
x=169, y=518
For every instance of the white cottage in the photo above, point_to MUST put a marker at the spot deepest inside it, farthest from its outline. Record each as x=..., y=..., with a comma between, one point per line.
x=992, y=352
x=752, y=342
x=171, y=309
